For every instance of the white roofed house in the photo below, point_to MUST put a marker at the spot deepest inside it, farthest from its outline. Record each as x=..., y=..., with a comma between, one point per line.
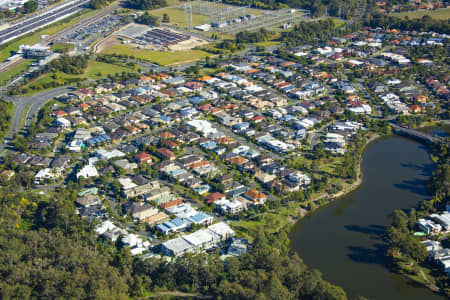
x=198, y=241
x=62, y=122
x=300, y=178
x=428, y=226
x=226, y=206
x=88, y=171
x=202, y=239
x=135, y=243
x=108, y=230
x=125, y=164
x=105, y=226
x=43, y=176
x=361, y=109
x=443, y=219
x=176, y=247
x=222, y=230
x=107, y=155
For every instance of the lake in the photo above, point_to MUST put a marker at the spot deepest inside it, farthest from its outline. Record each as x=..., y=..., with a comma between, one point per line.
x=344, y=239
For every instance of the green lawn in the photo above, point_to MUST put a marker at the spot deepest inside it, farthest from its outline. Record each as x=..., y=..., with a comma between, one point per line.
x=96, y=67
x=178, y=18
x=271, y=222
x=267, y=43
x=338, y=22
x=62, y=47
x=95, y=70
x=331, y=165
x=253, y=11
x=441, y=14
x=34, y=38
x=14, y=71
x=206, y=71
x=160, y=57
x=49, y=77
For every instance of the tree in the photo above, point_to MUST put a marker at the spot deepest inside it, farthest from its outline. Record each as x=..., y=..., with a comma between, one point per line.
x=399, y=220
x=30, y=6
x=146, y=4
x=165, y=18
x=412, y=219
x=148, y=19
x=95, y=4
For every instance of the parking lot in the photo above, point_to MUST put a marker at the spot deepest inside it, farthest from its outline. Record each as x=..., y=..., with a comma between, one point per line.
x=97, y=28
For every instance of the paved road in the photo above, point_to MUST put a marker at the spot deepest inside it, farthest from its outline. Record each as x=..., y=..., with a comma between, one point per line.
x=33, y=104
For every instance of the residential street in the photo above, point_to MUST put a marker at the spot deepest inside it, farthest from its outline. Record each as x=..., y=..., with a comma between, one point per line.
x=33, y=104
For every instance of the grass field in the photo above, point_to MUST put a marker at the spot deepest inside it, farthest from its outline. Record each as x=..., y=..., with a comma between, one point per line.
x=253, y=11
x=34, y=38
x=96, y=67
x=178, y=17
x=14, y=71
x=62, y=47
x=206, y=71
x=160, y=57
x=441, y=14
x=338, y=22
x=49, y=77
x=270, y=221
x=95, y=70
x=267, y=43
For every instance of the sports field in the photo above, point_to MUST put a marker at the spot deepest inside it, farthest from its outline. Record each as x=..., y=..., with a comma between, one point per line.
x=440, y=14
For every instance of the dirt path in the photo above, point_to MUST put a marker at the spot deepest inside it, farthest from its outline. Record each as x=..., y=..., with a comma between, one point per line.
x=430, y=284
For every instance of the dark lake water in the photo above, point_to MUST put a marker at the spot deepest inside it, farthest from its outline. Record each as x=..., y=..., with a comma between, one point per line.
x=343, y=239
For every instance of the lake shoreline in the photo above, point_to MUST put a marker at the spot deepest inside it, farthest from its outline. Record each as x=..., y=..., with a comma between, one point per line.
x=332, y=197
x=351, y=187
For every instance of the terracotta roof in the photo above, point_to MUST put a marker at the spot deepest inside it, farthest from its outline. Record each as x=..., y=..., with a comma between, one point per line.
x=238, y=160
x=211, y=198
x=84, y=106
x=255, y=195
x=205, y=78
x=198, y=164
x=170, y=144
x=166, y=135
x=224, y=140
x=171, y=203
x=166, y=152
x=143, y=157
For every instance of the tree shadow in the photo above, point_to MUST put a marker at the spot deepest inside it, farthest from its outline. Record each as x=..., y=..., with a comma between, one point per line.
x=416, y=186
x=368, y=255
x=374, y=232
x=372, y=254
x=425, y=169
